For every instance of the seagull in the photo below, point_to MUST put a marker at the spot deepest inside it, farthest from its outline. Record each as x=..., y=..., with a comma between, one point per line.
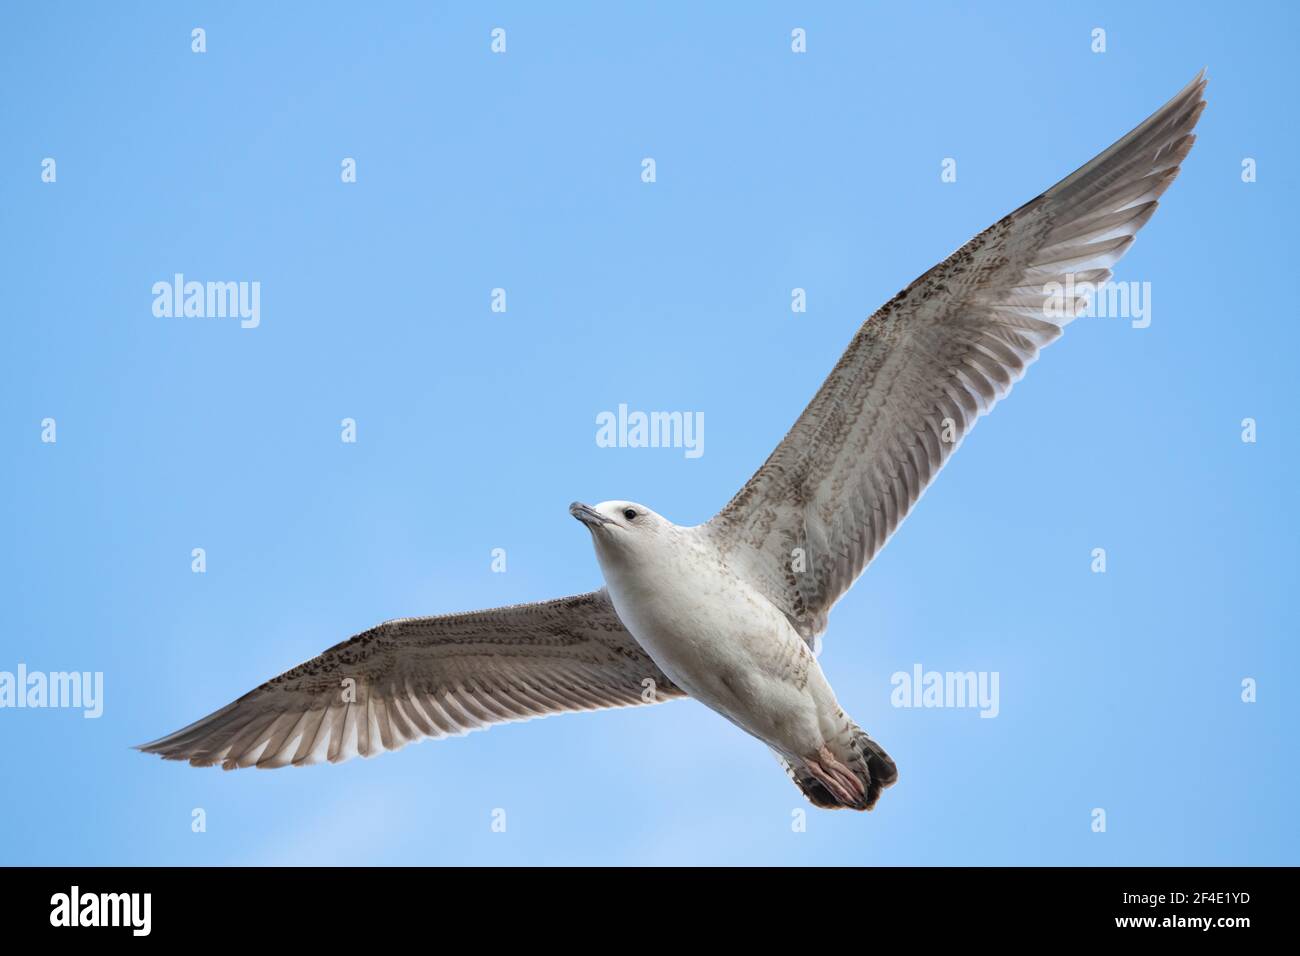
x=730, y=612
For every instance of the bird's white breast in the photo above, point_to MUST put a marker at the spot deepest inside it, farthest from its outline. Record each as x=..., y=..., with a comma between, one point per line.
x=716, y=636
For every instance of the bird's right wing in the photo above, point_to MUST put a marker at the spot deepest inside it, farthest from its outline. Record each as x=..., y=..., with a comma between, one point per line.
x=929, y=363
x=429, y=677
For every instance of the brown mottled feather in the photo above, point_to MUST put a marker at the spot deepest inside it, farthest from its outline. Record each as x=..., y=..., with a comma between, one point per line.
x=947, y=347
x=429, y=677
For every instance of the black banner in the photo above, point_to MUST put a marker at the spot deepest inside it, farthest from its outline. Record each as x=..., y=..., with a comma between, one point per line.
x=342, y=904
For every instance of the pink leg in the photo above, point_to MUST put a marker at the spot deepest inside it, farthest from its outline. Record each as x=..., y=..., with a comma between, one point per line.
x=835, y=777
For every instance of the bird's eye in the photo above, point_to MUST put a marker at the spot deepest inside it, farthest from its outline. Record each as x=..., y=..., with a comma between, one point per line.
x=629, y=513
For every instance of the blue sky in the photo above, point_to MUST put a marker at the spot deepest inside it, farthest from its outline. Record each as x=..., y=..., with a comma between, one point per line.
x=522, y=171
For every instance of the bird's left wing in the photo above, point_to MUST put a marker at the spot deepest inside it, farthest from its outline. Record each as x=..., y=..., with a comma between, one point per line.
x=923, y=368
x=429, y=677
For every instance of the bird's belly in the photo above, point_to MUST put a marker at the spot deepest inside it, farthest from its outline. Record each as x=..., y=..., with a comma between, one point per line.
x=734, y=652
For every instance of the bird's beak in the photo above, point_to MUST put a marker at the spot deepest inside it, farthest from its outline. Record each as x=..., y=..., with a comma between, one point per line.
x=588, y=515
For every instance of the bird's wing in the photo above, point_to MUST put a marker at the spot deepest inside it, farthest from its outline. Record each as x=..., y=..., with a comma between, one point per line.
x=429, y=677
x=923, y=368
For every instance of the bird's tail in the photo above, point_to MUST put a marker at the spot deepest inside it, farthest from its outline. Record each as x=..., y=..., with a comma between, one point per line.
x=848, y=772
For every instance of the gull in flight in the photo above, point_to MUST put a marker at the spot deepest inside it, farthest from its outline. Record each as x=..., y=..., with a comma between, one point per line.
x=730, y=612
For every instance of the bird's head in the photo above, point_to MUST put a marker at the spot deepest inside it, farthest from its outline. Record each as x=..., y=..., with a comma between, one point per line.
x=622, y=529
